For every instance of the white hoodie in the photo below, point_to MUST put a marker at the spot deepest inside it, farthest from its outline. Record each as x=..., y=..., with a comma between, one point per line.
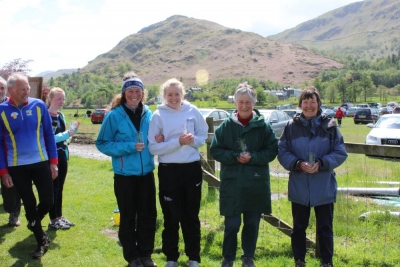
x=172, y=124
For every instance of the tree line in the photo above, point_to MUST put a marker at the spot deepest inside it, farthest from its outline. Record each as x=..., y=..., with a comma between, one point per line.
x=358, y=80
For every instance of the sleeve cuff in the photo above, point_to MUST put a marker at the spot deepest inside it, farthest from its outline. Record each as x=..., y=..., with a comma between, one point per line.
x=54, y=161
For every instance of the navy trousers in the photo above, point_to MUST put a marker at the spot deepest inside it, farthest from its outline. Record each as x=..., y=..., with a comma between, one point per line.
x=251, y=224
x=324, y=218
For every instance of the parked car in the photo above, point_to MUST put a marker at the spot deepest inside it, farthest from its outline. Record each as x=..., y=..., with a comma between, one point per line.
x=277, y=119
x=385, y=110
x=231, y=110
x=292, y=112
x=396, y=110
x=386, y=131
x=366, y=115
x=329, y=112
x=97, y=115
x=392, y=104
x=351, y=111
x=363, y=106
x=346, y=105
x=375, y=105
x=216, y=114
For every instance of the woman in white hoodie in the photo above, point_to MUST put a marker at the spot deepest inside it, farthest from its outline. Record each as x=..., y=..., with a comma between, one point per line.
x=177, y=130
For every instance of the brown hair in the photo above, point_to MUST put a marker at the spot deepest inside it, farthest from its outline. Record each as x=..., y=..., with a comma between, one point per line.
x=120, y=98
x=308, y=93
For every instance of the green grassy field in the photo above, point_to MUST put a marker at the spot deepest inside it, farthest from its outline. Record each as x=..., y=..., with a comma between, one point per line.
x=89, y=202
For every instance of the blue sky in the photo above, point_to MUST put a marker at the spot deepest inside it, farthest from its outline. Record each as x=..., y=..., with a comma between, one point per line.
x=61, y=34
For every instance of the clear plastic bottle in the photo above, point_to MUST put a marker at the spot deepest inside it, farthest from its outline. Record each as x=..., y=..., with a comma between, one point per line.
x=73, y=126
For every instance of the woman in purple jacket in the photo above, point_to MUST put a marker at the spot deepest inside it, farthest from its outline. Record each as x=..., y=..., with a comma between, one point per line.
x=311, y=147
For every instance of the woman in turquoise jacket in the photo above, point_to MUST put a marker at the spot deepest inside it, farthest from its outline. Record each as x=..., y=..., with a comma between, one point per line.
x=244, y=144
x=123, y=137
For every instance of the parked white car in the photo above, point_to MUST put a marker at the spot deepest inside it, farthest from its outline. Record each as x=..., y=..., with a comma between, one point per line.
x=386, y=131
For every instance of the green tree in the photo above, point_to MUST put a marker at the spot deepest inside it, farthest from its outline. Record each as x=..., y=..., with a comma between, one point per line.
x=261, y=96
x=271, y=99
x=341, y=87
x=331, y=93
x=366, y=84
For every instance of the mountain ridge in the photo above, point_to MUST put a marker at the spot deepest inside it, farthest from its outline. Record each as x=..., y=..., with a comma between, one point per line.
x=197, y=51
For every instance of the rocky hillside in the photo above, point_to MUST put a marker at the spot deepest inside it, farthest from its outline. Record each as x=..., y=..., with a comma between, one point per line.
x=198, y=51
x=367, y=28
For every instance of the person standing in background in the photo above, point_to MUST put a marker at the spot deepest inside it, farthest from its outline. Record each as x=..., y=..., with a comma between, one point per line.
x=55, y=102
x=244, y=144
x=45, y=92
x=339, y=116
x=177, y=130
x=311, y=147
x=11, y=198
x=123, y=137
x=29, y=155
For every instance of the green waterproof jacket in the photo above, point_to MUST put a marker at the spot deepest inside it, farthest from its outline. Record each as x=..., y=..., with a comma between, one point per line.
x=244, y=187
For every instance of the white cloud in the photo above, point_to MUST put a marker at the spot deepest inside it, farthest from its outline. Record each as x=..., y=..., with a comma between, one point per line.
x=69, y=33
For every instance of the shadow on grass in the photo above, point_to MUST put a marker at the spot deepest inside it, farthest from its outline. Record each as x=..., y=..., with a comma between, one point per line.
x=4, y=230
x=22, y=251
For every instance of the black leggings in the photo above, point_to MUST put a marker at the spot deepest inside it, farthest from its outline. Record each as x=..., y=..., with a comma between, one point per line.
x=40, y=175
x=58, y=185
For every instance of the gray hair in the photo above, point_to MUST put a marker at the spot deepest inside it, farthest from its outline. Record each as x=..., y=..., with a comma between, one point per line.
x=16, y=77
x=245, y=89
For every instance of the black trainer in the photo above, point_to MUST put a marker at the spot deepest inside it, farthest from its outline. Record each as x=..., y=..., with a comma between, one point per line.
x=39, y=252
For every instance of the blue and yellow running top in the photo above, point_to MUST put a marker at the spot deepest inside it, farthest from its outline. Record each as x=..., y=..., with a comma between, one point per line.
x=26, y=134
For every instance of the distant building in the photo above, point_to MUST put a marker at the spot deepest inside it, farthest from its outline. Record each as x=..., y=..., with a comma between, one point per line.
x=189, y=93
x=285, y=93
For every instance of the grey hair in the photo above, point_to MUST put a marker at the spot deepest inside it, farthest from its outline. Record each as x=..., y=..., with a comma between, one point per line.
x=16, y=77
x=245, y=89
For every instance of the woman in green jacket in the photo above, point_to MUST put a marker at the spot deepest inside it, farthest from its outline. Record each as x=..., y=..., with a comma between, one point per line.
x=244, y=144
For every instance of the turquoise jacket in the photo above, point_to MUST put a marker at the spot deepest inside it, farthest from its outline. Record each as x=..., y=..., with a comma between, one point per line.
x=244, y=187
x=117, y=139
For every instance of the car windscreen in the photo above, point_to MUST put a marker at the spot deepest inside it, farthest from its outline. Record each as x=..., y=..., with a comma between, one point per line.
x=388, y=123
x=363, y=112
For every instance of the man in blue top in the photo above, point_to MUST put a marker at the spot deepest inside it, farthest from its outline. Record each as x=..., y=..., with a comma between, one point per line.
x=11, y=199
x=28, y=154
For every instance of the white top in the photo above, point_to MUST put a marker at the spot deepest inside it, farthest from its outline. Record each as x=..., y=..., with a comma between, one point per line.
x=172, y=124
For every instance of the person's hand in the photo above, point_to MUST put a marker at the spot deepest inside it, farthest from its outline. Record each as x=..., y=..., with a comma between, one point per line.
x=71, y=132
x=54, y=171
x=7, y=180
x=309, y=168
x=159, y=138
x=139, y=147
x=244, y=157
x=186, y=139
